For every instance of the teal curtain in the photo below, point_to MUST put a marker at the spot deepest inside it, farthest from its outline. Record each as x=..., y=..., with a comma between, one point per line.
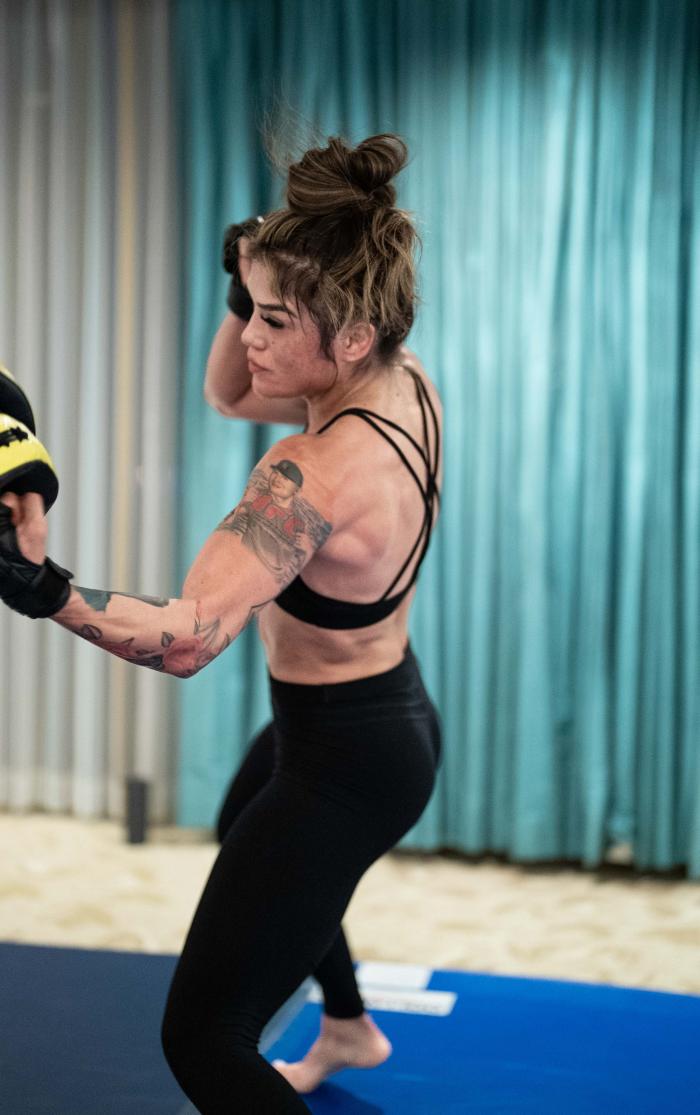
x=555, y=177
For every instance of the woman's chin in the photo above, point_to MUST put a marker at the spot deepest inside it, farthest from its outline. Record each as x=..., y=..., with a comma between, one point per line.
x=258, y=387
x=262, y=388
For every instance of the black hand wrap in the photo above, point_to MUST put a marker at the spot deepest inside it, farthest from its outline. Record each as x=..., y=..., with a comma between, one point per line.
x=238, y=300
x=37, y=591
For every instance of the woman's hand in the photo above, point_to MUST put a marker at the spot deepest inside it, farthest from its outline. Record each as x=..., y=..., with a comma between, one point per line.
x=29, y=521
x=244, y=259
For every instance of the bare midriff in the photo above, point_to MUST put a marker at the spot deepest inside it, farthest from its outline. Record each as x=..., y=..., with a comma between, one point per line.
x=308, y=655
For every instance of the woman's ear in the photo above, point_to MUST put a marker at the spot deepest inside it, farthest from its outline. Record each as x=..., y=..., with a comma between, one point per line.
x=355, y=341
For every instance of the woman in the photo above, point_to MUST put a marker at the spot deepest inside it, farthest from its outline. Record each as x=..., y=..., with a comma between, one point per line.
x=349, y=762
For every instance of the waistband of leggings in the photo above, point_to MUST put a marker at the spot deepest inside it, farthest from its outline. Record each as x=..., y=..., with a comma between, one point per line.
x=375, y=685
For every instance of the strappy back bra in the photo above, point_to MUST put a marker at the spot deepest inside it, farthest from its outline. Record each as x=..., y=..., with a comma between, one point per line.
x=309, y=606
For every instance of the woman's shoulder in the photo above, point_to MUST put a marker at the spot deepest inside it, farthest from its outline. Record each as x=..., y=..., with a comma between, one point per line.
x=409, y=360
x=347, y=459
x=349, y=447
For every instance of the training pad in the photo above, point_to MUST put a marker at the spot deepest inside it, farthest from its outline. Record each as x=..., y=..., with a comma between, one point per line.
x=81, y=1036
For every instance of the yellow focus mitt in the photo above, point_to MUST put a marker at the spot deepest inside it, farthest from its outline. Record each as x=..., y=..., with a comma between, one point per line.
x=25, y=465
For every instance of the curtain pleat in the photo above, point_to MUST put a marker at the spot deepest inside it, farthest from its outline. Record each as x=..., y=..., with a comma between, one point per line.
x=688, y=365
x=155, y=707
x=89, y=318
x=21, y=662
x=215, y=80
x=70, y=759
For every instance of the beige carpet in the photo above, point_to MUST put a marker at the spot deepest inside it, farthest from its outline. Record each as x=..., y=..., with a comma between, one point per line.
x=69, y=882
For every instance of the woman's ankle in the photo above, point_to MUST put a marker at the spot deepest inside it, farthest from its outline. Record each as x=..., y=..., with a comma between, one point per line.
x=330, y=1024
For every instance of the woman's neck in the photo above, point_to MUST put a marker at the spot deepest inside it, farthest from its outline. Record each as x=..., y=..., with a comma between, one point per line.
x=370, y=388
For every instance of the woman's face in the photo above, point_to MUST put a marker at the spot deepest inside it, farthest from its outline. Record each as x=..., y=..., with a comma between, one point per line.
x=284, y=353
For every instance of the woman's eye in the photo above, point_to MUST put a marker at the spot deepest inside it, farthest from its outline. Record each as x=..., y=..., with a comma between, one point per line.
x=271, y=321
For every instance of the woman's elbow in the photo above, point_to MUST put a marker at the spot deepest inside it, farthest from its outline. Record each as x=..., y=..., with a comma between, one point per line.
x=186, y=657
x=227, y=409
x=191, y=655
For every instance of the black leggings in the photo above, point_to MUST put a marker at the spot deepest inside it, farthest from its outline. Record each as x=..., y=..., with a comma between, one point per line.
x=334, y=782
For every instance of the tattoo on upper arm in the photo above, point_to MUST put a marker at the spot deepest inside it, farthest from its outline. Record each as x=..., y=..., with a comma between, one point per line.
x=276, y=522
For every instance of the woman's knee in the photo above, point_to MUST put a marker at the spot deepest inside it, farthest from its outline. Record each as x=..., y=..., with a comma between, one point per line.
x=189, y=1041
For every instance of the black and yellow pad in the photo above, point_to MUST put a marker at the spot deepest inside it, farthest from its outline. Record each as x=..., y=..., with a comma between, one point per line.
x=25, y=465
x=13, y=400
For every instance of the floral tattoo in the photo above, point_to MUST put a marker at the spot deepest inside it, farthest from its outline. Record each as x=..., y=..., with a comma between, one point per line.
x=208, y=640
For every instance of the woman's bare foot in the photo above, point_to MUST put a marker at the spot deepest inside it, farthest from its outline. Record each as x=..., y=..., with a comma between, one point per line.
x=343, y=1043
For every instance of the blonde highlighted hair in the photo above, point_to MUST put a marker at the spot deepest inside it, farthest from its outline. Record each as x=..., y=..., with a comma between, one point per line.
x=341, y=247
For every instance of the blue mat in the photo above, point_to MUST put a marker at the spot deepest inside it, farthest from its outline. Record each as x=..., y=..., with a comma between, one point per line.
x=80, y=1036
x=523, y=1045
x=81, y=1033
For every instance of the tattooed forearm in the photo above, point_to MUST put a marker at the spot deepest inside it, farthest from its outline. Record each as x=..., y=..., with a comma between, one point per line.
x=276, y=522
x=183, y=657
x=129, y=649
x=168, y=636
x=99, y=598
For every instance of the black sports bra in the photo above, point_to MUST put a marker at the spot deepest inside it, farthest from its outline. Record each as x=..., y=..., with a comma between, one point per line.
x=303, y=603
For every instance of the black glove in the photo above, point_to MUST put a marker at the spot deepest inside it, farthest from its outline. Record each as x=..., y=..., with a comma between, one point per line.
x=37, y=591
x=238, y=300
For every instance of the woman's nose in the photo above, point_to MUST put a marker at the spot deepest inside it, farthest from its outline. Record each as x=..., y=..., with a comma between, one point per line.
x=250, y=336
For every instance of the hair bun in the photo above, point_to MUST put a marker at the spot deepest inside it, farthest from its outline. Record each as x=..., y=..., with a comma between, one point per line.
x=373, y=164
x=341, y=247
x=338, y=177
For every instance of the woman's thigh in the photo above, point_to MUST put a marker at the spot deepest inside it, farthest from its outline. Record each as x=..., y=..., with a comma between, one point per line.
x=270, y=909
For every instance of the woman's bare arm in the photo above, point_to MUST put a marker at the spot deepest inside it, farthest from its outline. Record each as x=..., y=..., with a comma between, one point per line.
x=242, y=566
x=227, y=383
x=227, y=377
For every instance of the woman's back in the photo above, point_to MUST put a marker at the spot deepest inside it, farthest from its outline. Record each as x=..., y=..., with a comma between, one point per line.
x=385, y=520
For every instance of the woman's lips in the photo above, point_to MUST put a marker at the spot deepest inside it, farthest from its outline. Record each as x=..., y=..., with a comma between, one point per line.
x=255, y=367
